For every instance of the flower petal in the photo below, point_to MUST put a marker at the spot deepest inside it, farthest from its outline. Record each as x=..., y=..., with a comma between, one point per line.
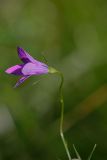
x=21, y=80
x=34, y=69
x=24, y=56
x=16, y=70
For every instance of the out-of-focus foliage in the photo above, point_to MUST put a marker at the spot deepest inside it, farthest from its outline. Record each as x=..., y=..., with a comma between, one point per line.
x=72, y=34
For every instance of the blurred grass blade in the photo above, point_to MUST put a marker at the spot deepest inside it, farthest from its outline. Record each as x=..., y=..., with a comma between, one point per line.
x=77, y=154
x=36, y=82
x=45, y=60
x=90, y=156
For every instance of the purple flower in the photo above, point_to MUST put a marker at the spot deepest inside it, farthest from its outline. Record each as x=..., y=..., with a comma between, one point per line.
x=29, y=67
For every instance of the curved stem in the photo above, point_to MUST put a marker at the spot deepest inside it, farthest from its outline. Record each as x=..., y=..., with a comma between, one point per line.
x=62, y=116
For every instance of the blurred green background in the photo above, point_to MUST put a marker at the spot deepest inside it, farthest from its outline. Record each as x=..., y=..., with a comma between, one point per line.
x=72, y=34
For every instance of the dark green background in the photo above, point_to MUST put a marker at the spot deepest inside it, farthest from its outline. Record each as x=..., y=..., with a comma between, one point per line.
x=72, y=34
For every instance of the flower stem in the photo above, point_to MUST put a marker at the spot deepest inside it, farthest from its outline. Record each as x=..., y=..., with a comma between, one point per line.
x=52, y=71
x=62, y=116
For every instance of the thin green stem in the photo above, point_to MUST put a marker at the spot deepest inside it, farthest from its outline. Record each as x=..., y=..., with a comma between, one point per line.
x=62, y=116
x=53, y=70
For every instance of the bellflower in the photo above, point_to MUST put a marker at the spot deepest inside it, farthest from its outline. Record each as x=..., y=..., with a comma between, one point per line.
x=29, y=67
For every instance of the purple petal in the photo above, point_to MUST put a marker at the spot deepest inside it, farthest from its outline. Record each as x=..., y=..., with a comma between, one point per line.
x=16, y=70
x=34, y=69
x=24, y=56
x=21, y=80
